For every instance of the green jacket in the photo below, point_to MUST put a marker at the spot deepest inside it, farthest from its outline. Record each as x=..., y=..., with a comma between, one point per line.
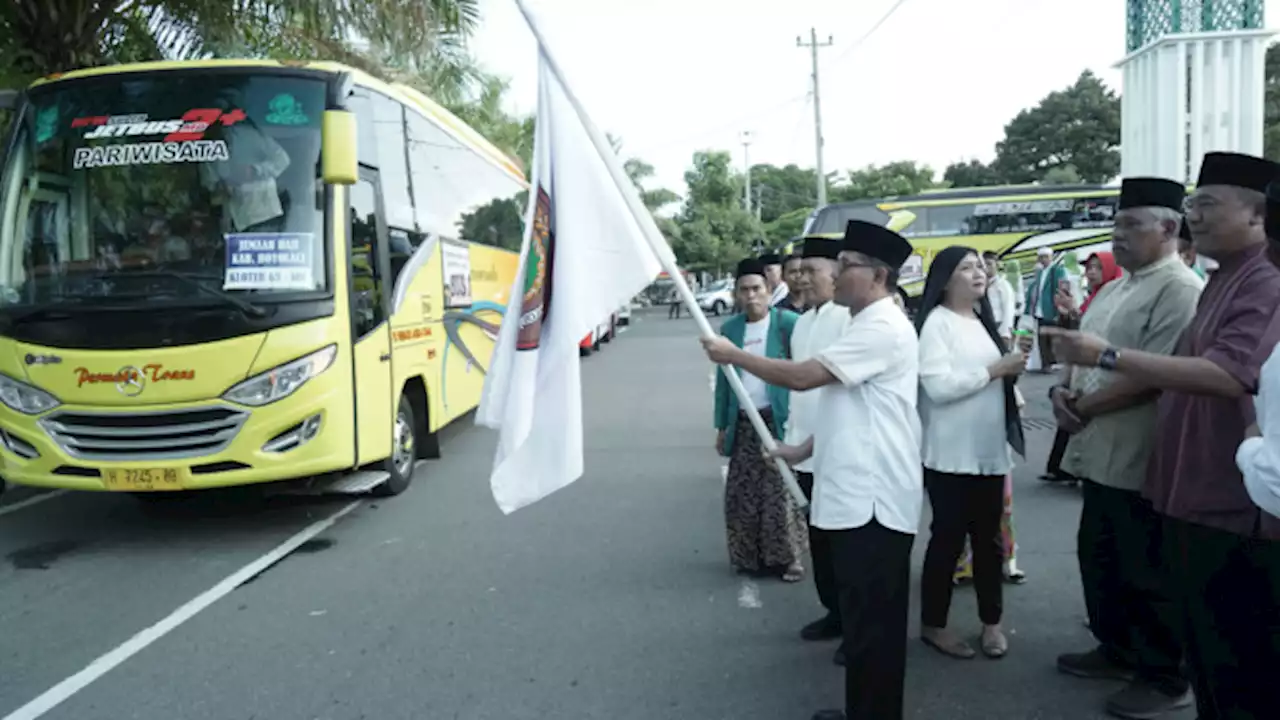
x=777, y=346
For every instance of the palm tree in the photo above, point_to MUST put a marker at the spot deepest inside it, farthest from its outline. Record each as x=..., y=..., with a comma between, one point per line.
x=38, y=37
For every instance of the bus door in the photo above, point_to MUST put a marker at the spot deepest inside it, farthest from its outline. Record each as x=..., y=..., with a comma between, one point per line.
x=370, y=324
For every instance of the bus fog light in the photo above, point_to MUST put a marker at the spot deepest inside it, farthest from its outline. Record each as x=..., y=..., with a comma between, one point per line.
x=295, y=436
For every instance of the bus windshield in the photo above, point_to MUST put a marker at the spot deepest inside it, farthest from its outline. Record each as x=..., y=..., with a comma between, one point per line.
x=163, y=189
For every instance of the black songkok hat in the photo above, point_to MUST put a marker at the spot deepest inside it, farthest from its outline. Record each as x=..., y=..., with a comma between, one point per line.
x=1246, y=171
x=876, y=241
x=750, y=266
x=1273, y=211
x=1152, y=192
x=770, y=259
x=821, y=247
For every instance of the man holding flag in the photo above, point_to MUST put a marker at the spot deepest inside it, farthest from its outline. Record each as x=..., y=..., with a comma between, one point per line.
x=868, y=488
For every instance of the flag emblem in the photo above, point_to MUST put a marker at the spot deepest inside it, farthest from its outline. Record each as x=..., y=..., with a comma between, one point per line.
x=536, y=302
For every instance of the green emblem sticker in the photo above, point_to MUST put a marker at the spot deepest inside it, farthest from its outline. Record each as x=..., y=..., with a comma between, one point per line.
x=46, y=124
x=284, y=109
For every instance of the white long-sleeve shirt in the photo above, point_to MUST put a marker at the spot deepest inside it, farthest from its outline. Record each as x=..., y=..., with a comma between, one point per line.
x=961, y=406
x=1004, y=304
x=1259, y=458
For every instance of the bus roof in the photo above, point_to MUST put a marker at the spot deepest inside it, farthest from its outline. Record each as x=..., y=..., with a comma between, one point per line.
x=980, y=192
x=409, y=96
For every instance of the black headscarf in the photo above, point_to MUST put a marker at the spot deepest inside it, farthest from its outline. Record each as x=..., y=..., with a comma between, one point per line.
x=935, y=286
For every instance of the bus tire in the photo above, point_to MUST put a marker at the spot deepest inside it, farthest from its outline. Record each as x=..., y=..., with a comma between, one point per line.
x=404, y=451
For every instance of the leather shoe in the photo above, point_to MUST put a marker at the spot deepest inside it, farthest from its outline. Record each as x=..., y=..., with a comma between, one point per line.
x=825, y=628
x=829, y=715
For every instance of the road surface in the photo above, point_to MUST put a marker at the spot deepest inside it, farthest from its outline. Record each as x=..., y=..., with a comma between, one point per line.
x=611, y=599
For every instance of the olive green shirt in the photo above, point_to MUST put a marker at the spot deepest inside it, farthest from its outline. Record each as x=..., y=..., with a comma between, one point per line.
x=1145, y=310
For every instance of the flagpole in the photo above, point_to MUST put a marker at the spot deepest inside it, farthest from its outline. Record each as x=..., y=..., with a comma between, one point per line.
x=657, y=243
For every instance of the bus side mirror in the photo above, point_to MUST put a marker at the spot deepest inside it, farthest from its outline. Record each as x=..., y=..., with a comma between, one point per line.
x=338, y=137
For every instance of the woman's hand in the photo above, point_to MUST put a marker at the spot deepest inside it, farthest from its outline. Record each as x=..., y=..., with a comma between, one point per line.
x=1011, y=365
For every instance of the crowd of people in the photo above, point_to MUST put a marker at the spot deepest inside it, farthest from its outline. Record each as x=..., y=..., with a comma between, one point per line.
x=1166, y=405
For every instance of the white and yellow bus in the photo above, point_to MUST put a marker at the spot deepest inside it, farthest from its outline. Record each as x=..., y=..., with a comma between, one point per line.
x=1013, y=221
x=223, y=273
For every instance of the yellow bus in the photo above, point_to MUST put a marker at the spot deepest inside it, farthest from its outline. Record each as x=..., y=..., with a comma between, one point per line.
x=223, y=273
x=1014, y=221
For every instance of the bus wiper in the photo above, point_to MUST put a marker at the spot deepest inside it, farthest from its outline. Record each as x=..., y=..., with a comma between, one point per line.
x=244, y=306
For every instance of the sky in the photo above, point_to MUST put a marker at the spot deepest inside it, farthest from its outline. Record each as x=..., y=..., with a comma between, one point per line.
x=935, y=82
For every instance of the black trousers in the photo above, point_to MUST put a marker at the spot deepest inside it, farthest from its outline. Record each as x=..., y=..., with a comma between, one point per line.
x=1053, y=468
x=873, y=578
x=1047, y=358
x=1131, y=611
x=1231, y=609
x=963, y=505
x=824, y=574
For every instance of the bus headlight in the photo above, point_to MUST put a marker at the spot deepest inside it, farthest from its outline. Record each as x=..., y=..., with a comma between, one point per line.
x=281, y=381
x=24, y=398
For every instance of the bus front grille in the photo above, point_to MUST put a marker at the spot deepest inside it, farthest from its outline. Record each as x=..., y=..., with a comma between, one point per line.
x=166, y=435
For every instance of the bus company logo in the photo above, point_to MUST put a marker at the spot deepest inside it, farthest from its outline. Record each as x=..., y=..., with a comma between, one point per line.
x=131, y=380
x=536, y=301
x=33, y=359
x=191, y=126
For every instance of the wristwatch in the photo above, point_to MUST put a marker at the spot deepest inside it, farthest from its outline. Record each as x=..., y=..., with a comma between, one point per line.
x=1108, y=358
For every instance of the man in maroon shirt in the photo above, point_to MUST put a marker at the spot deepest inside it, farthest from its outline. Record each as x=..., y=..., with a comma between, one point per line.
x=1221, y=555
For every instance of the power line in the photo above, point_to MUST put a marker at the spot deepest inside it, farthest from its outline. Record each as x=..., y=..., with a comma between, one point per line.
x=867, y=35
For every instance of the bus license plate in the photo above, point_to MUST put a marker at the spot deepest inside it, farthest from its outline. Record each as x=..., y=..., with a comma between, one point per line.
x=142, y=479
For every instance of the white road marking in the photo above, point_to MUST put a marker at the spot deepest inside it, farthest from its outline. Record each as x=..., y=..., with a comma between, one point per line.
x=64, y=690
x=36, y=500
x=748, y=596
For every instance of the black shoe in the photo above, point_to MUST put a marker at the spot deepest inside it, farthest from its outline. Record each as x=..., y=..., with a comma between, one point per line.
x=826, y=628
x=838, y=657
x=1140, y=701
x=1093, y=665
x=829, y=715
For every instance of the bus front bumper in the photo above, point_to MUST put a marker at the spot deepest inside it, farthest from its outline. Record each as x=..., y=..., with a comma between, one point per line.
x=188, y=446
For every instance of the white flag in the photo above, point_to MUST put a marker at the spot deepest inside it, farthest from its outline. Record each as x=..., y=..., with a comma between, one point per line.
x=584, y=256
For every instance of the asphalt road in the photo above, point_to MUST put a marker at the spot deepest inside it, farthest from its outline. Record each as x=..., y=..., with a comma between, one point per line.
x=611, y=599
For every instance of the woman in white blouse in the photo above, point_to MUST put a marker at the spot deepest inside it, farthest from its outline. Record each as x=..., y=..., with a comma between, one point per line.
x=970, y=419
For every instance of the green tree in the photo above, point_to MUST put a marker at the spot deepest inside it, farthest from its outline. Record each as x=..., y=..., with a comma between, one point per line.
x=714, y=230
x=905, y=177
x=782, y=190
x=973, y=173
x=1061, y=175
x=38, y=37
x=784, y=228
x=1271, y=104
x=1077, y=126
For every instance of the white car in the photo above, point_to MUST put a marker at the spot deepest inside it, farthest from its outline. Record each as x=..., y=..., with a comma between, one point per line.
x=717, y=298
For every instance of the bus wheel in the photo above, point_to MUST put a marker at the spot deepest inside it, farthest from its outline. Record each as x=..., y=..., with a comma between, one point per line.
x=404, y=452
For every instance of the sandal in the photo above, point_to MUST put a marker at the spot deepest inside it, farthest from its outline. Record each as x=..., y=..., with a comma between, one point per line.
x=953, y=647
x=1017, y=577
x=994, y=644
x=793, y=574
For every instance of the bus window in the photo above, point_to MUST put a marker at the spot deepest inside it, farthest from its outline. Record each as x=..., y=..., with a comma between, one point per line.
x=834, y=218
x=366, y=285
x=393, y=162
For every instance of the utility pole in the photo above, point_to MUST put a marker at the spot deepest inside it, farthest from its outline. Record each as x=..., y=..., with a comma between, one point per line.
x=814, y=46
x=746, y=159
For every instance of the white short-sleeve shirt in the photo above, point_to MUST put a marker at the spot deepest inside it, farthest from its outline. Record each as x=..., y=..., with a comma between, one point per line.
x=816, y=330
x=867, y=429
